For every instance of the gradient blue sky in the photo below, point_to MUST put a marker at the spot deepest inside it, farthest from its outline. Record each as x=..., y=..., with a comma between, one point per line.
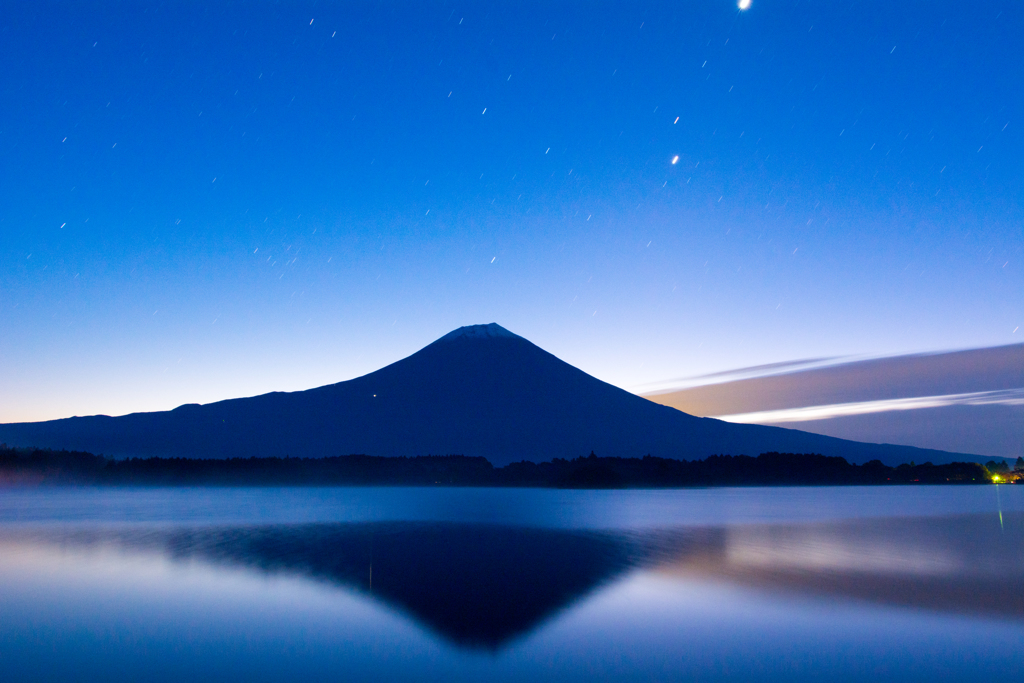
x=207, y=200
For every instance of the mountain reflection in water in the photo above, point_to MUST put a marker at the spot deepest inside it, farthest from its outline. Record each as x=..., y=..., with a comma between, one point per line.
x=484, y=586
x=478, y=586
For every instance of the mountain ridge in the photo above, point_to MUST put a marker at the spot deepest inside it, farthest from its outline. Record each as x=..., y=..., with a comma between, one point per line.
x=478, y=391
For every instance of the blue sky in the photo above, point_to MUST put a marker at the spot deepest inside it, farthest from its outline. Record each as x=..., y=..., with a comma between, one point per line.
x=207, y=200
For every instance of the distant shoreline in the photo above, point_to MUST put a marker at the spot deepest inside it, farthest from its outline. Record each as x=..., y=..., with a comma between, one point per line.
x=33, y=466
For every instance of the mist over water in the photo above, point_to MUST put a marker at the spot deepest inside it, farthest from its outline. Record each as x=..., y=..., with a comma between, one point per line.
x=888, y=583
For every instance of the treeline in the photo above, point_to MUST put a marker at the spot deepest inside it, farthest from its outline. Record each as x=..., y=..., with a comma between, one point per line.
x=767, y=469
x=31, y=465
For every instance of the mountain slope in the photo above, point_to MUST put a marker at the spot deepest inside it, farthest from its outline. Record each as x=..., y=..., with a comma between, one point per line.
x=479, y=390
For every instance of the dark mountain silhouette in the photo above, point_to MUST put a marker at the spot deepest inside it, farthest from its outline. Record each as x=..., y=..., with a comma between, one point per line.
x=477, y=391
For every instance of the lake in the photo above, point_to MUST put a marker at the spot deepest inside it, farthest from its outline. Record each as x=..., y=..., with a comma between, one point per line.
x=899, y=583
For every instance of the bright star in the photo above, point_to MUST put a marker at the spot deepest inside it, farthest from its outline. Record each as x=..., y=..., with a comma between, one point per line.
x=744, y=4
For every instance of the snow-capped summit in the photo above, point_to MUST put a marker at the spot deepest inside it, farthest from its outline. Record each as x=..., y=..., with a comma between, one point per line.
x=489, y=331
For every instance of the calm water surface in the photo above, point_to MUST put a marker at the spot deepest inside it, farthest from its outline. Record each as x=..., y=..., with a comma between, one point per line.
x=392, y=584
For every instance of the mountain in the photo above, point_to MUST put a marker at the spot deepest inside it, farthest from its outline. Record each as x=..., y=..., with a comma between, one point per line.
x=479, y=391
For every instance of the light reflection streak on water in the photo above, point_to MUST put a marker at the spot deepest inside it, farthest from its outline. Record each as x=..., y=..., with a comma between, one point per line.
x=999, y=505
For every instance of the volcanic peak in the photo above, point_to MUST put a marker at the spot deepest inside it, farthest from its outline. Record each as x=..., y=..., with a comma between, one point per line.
x=489, y=331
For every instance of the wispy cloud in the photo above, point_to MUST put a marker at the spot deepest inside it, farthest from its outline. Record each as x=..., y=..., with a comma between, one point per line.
x=879, y=379
x=739, y=373
x=976, y=397
x=1010, y=397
